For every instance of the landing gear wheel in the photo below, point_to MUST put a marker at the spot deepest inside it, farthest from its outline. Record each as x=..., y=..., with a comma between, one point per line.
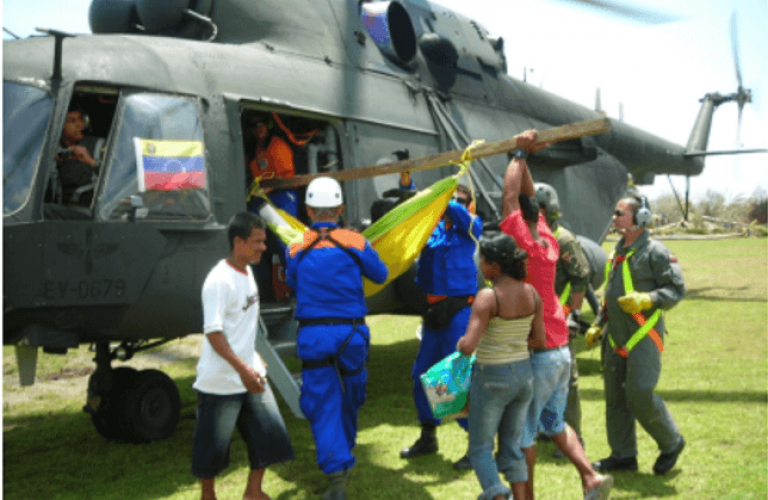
x=107, y=418
x=152, y=407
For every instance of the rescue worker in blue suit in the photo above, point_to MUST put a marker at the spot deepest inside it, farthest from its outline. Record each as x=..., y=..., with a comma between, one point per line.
x=447, y=273
x=326, y=271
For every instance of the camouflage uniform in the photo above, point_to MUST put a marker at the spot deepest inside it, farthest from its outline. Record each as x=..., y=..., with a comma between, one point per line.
x=573, y=268
x=630, y=382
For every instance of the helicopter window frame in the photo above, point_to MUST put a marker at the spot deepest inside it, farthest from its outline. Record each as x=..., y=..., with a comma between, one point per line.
x=119, y=197
x=32, y=155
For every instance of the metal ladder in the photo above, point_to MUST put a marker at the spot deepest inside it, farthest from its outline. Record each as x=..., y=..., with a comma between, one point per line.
x=277, y=343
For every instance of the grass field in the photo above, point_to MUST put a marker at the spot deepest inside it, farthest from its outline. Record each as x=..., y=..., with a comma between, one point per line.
x=715, y=381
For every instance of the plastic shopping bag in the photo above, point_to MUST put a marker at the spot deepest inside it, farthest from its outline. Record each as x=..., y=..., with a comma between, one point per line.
x=446, y=385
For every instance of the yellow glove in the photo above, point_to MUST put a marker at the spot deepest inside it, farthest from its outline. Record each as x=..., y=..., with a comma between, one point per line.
x=593, y=336
x=634, y=302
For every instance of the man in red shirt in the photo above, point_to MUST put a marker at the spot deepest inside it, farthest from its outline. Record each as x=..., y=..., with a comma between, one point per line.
x=551, y=364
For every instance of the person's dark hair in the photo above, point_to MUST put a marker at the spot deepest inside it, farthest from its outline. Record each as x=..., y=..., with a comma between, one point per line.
x=529, y=206
x=463, y=189
x=242, y=224
x=499, y=247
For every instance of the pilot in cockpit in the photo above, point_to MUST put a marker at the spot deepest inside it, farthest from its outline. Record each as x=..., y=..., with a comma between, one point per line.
x=77, y=168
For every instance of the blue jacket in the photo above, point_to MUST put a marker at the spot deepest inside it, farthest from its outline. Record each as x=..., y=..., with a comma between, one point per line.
x=446, y=264
x=328, y=281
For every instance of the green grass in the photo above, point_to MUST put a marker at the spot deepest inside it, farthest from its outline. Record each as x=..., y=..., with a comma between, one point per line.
x=714, y=380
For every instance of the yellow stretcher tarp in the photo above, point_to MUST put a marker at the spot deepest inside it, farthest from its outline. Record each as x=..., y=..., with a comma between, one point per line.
x=398, y=237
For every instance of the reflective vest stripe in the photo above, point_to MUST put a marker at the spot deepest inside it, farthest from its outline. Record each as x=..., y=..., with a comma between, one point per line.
x=567, y=290
x=646, y=325
x=564, y=298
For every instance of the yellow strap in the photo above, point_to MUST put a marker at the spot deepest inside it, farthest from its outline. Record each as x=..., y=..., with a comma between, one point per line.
x=566, y=293
x=463, y=164
x=630, y=287
x=255, y=189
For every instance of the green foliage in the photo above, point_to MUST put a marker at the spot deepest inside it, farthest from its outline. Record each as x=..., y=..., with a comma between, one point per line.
x=714, y=381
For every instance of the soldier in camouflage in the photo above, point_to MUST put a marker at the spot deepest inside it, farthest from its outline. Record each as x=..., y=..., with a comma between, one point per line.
x=571, y=282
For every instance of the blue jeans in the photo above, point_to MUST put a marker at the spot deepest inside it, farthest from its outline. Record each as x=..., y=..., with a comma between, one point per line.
x=551, y=373
x=258, y=419
x=499, y=397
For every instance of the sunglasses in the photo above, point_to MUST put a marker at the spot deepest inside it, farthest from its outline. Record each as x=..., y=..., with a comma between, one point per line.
x=618, y=213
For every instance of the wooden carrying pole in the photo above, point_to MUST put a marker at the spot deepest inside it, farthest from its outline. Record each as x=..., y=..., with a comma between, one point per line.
x=551, y=135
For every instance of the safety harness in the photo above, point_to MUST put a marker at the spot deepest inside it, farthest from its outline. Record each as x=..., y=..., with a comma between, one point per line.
x=646, y=325
x=564, y=298
x=567, y=290
x=325, y=235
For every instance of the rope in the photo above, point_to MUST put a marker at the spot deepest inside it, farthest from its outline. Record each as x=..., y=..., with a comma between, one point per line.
x=255, y=189
x=464, y=165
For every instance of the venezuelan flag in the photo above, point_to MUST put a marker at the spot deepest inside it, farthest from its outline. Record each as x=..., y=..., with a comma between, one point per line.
x=165, y=165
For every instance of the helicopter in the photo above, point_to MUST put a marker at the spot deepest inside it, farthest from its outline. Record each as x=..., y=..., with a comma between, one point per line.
x=347, y=83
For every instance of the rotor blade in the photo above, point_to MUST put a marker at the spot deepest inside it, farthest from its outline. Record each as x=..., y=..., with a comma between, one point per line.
x=735, y=47
x=641, y=15
x=738, y=125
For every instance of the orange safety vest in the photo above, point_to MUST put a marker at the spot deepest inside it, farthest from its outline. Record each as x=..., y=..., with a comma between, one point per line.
x=646, y=325
x=274, y=162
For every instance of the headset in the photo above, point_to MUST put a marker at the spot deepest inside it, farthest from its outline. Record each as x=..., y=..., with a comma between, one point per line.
x=642, y=216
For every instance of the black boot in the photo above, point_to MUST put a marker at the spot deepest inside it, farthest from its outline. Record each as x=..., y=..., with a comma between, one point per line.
x=337, y=485
x=426, y=444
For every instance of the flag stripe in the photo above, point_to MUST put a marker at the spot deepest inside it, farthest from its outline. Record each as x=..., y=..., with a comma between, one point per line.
x=151, y=147
x=174, y=164
x=162, y=181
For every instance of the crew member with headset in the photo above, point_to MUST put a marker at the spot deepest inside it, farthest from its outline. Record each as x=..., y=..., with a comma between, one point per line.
x=77, y=167
x=571, y=282
x=642, y=278
x=448, y=275
x=326, y=271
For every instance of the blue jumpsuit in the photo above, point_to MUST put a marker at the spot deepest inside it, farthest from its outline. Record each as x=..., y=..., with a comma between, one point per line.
x=329, y=293
x=446, y=268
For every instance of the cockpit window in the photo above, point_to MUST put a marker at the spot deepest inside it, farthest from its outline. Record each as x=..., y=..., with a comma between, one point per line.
x=157, y=162
x=26, y=113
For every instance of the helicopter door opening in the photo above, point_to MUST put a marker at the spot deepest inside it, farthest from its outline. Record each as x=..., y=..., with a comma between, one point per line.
x=281, y=145
x=80, y=153
x=156, y=166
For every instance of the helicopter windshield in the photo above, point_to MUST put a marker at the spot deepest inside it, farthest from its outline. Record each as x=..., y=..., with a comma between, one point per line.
x=159, y=137
x=26, y=113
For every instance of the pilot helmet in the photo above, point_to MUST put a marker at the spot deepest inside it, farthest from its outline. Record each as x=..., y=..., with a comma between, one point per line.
x=324, y=192
x=546, y=196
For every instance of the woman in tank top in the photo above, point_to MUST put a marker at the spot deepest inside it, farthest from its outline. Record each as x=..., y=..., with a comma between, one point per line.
x=506, y=321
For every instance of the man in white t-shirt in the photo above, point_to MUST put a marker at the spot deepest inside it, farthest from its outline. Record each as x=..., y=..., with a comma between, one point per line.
x=231, y=384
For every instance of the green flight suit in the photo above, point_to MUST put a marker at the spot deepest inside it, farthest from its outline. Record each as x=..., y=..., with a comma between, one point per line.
x=630, y=382
x=572, y=267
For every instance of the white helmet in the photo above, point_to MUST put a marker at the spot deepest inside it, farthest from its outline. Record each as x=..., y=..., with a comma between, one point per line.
x=324, y=192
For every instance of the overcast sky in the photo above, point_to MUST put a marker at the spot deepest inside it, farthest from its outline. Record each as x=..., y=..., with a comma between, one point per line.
x=657, y=72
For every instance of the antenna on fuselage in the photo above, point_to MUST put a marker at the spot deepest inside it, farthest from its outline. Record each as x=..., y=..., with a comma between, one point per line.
x=59, y=37
x=14, y=35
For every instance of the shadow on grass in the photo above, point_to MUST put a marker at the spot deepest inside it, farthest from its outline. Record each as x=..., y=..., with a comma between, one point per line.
x=60, y=455
x=691, y=396
x=735, y=294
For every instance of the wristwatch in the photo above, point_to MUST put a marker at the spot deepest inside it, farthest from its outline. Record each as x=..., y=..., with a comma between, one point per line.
x=520, y=153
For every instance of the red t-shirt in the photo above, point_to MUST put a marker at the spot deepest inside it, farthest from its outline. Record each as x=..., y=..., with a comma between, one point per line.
x=542, y=266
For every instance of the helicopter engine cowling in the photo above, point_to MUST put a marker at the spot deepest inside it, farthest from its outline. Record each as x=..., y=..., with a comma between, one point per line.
x=390, y=26
x=152, y=17
x=160, y=15
x=112, y=16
